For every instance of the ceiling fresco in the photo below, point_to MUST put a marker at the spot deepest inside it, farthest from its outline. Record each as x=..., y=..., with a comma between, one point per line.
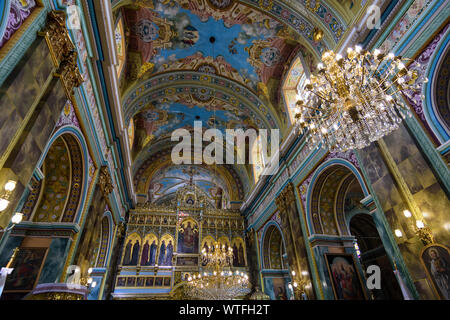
x=220, y=62
x=241, y=43
x=157, y=123
x=169, y=178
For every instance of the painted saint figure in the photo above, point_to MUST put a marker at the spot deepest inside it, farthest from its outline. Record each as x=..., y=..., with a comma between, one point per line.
x=144, y=256
x=188, y=239
x=241, y=256
x=127, y=256
x=235, y=256
x=440, y=272
x=135, y=254
x=153, y=249
x=162, y=253
x=169, y=253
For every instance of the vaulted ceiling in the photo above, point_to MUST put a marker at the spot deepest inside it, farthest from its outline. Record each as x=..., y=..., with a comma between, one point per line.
x=221, y=62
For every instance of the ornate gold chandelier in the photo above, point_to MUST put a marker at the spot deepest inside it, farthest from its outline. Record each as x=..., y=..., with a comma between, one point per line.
x=355, y=100
x=217, y=281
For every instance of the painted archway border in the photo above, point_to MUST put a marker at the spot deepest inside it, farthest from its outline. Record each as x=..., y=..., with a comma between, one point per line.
x=75, y=132
x=263, y=236
x=105, y=247
x=5, y=7
x=430, y=111
x=324, y=166
x=172, y=83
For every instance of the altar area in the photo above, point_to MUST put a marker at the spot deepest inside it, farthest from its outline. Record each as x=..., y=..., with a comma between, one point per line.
x=164, y=242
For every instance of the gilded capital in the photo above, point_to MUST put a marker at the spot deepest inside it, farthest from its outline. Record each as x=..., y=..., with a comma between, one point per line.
x=105, y=181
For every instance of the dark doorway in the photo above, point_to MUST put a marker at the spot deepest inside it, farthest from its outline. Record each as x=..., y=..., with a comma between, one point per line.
x=372, y=250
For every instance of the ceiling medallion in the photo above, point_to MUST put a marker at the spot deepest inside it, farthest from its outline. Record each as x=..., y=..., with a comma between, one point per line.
x=355, y=100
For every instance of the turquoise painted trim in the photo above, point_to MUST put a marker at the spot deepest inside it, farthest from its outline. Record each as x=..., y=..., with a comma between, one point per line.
x=392, y=25
x=74, y=131
x=125, y=202
x=349, y=215
x=325, y=165
x=140, y=290
x=311, y=159
x=314, y=276
x=418, y=25
x=392, y=249
x=53, y=226
x=5, y=7
x=275, y=271
x=430, y=114
x=12, y=58
x=316, y=236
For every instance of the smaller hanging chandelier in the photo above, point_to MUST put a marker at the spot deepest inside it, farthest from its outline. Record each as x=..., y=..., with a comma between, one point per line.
x=217, y=281
x=355, y=100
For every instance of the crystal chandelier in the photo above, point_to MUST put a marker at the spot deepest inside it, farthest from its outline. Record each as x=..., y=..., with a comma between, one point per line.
x=355, y=100
x=217, y=281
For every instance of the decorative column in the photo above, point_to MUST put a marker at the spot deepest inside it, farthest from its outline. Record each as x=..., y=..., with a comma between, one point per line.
x=422, y=231
x=295, y=248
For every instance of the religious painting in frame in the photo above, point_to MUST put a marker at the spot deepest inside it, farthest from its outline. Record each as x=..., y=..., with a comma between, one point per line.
x=158, y=281
x=166, y=249
x=436, y=261
x=166, y=282
x=279, y=288
x=140, y=281
x=149, y=250
x=345, y=279
x=149, y=281
x=131, y=281
x=27, y=266
x=188, y=237
x=121, y=281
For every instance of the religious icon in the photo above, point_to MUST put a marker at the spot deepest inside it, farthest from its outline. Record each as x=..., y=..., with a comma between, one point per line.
x=135, y=253
x=166, y=282
x=27, y=265
x=158, y=282
x=145, y=252
x=279, y=289
x=436, y=259
x=162, y=254
x=149, y=282
x=127, y=255
x=241, y=259
x=140, y=282
x=188, y=237
x=131, y=281
x=235, y=256
x=153, y=249
x=131, y=252
x=344, y=276
x=169, y=254
x=121, y=281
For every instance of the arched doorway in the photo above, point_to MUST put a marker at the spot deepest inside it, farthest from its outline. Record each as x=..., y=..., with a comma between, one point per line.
x=275, y=271
x=372, y=251
x=336, y=196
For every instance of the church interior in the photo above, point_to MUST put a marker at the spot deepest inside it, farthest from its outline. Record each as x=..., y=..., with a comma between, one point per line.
x=351, y=202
